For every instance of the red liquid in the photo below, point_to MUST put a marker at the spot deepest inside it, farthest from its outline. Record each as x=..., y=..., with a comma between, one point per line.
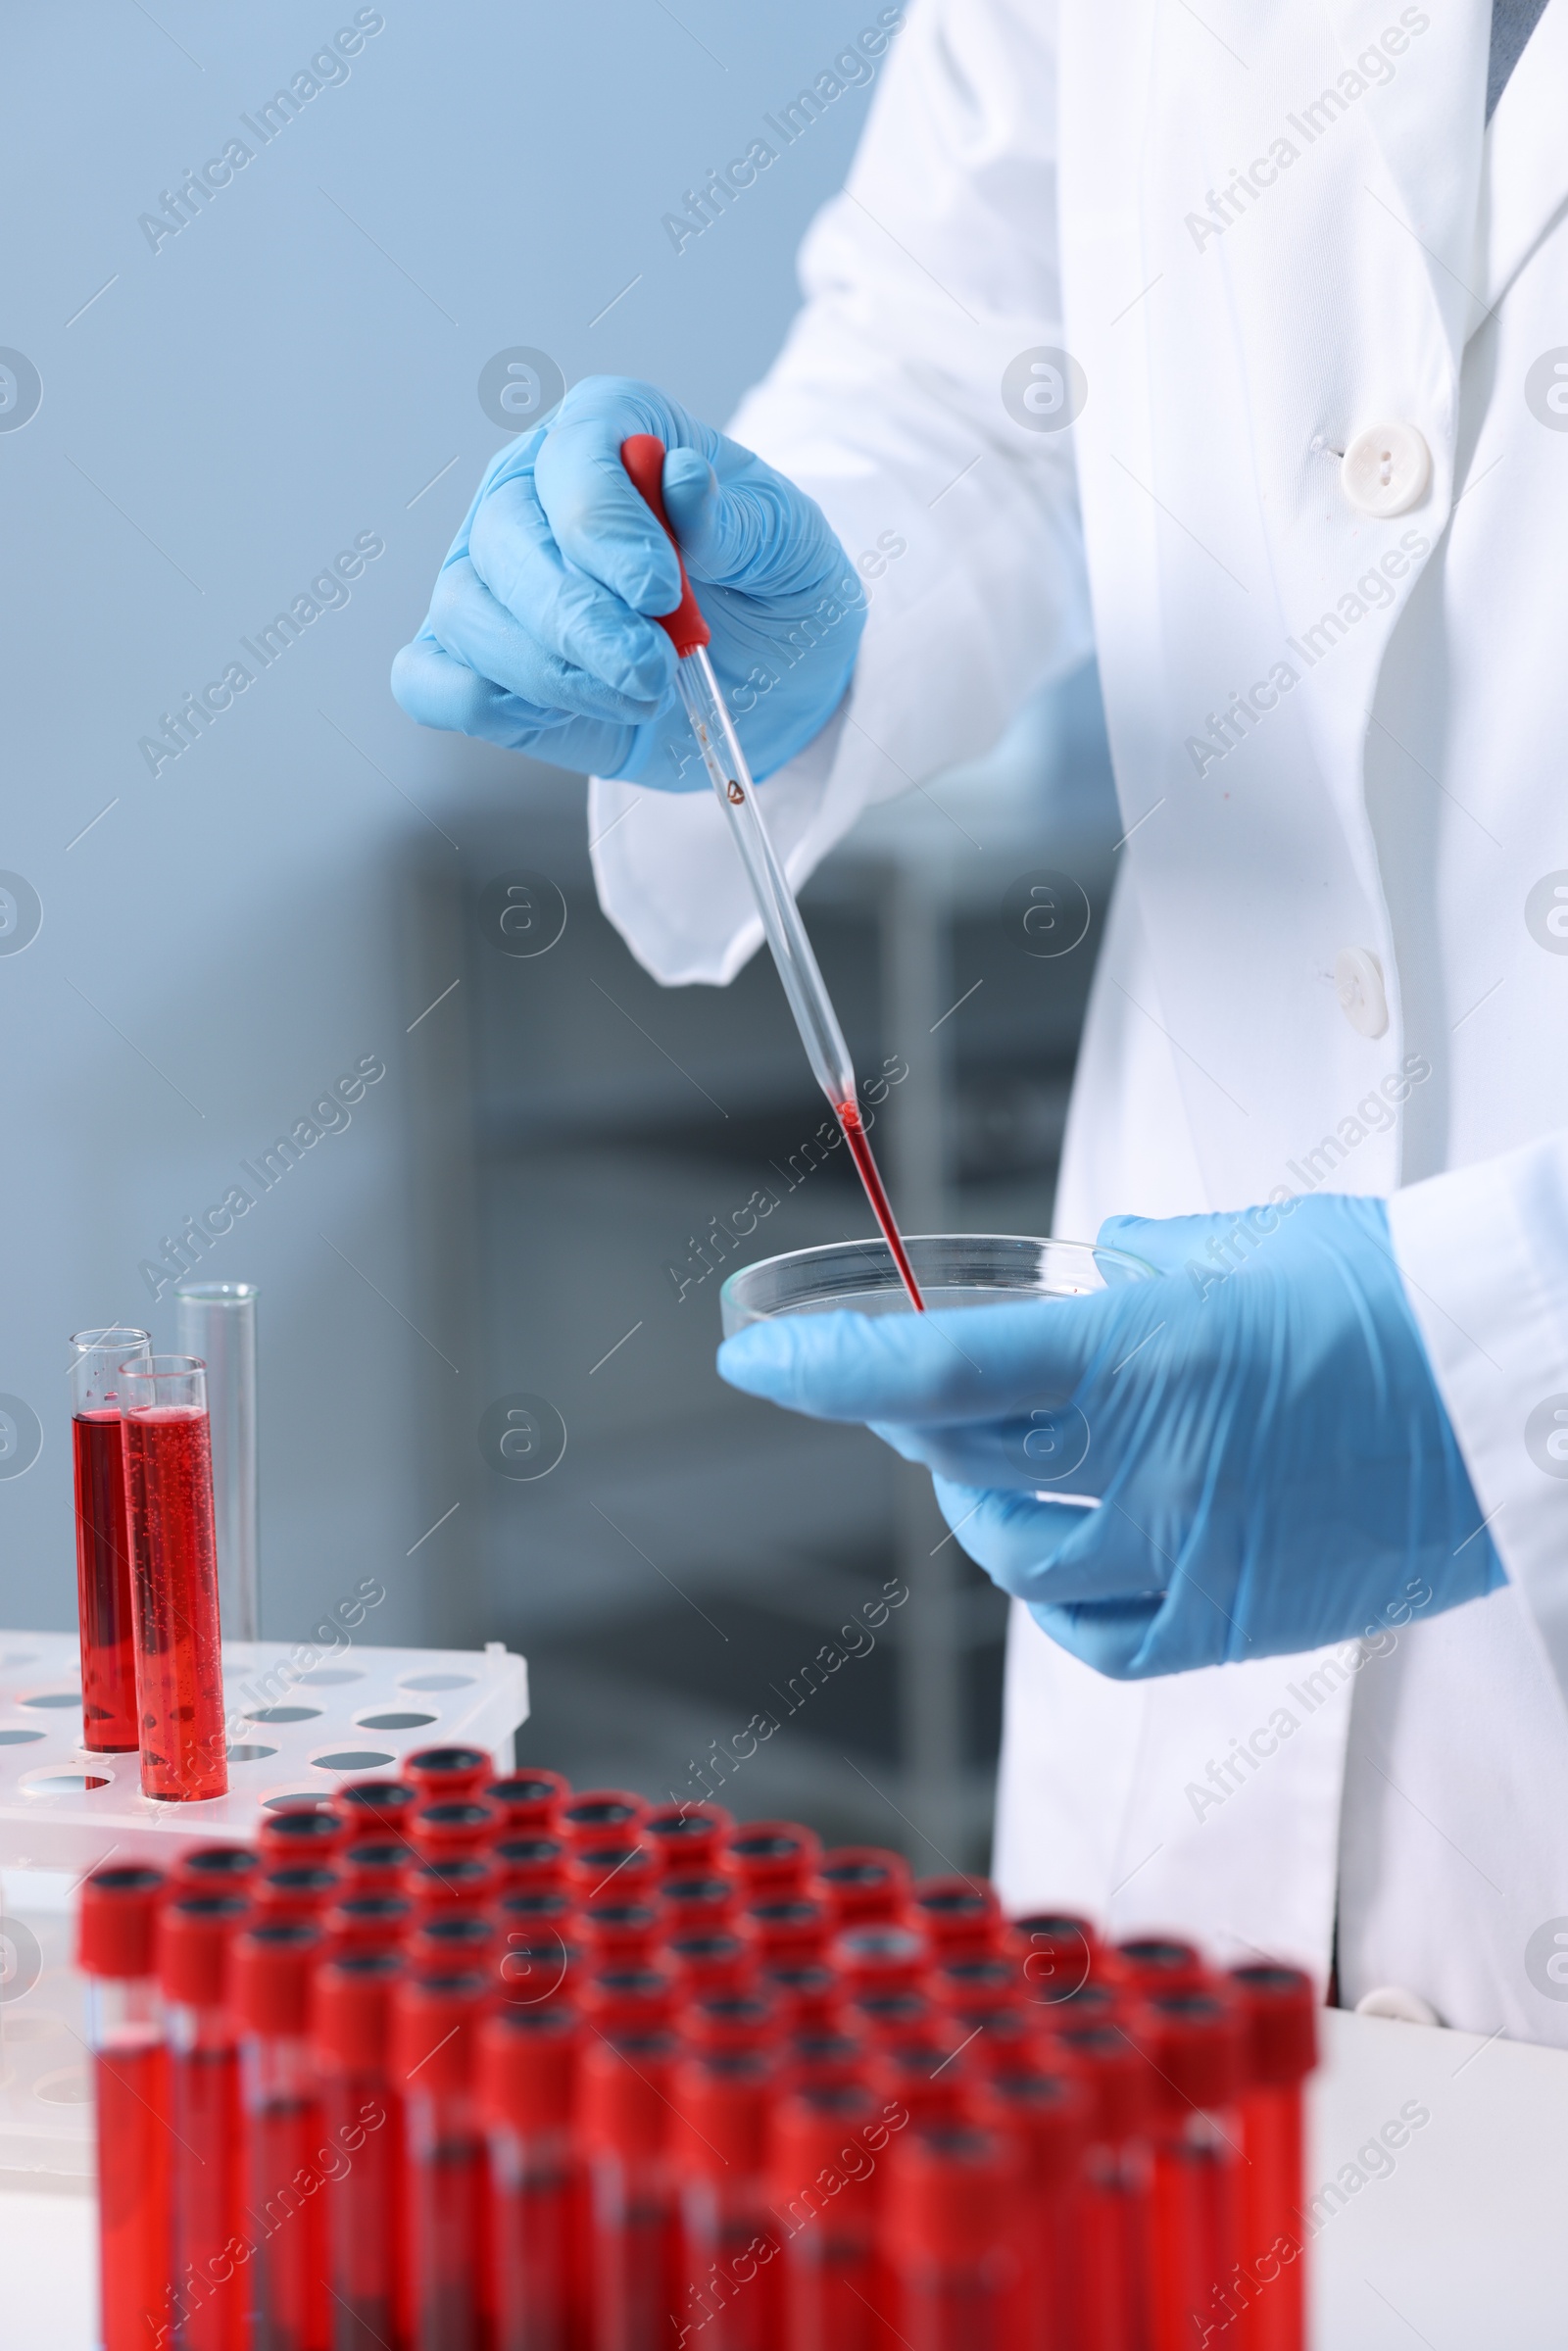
x=635, y=2255
x=1111, y=2281
x=533, y=2225
x=1272, y=2196
x=288, y=2283
x=732, y=2292
x=211, y=2287
x=1195, y=2241
x=966, y=2312
x=133, y=2197
x=169, y=1486
x=363, y=2200
x=855, y=1135
x=830, y=2295
x=447, y=2233
x=103, y=1586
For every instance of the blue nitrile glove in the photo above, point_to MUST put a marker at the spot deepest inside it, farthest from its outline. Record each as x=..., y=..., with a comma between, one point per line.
x=1274, y=1464
x=538, y=638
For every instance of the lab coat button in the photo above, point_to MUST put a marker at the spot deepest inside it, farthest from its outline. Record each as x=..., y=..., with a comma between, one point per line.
x=1358, y=984
x=1393, y=2001
x=1386, y=470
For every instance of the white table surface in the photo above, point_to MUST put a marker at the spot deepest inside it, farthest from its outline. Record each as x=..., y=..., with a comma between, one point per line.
x=1461, y=2245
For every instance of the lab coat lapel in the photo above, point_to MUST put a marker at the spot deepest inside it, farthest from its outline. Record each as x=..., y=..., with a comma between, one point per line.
x=1426, y=120
x=1525, y=174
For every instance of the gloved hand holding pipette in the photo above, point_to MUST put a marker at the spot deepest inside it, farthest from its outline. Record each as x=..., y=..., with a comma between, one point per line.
x=541, y=634
x=1274, y=1466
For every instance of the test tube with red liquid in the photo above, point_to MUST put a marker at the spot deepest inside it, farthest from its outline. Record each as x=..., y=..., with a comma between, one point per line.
x=1281, y=2008
x=529, y=2059
x=208, y=2287
x=284, y=2173
x=109, y=1720
x=436, y=2031
x=361, y=2115
x=1108, y=2285
x=643, y=455
x=1197, y=2048
x=722, y=2099
x=949, y=2236
x=169, y=1492
x=827, y=2133
x=625, y=2124
x=115, y=1950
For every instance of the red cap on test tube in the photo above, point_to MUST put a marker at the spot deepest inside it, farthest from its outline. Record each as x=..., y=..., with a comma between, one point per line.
x=773, y=1857
x=867, y=1885
x=374, y=1866
x=878, y=1959
x=368, y=1922
x=731, y=2019
x=528, y=1862
x=352, y=2010
x=1156, y=1963
x=435, y=2021
x=629, y=1999
x=975, y=1980
x=617, y=1931
x=1059, y=1955
x=693, y=1902
x=530, y=1801
x=1119, y=2077
x=601, y=1816
x=215, y=1869
x=272, y=1967
x=445, y=1941
x=438, y=1774
x=296, y=1890
x=116, y=1923
x=463, y=1881
x=625, y=2103
x=528, y=2065
x=1197, y=2043
x=791, y=1926
x=306, y=1834
x=619, y=1868
x=454, y=1824
x=1281, y=2005
x=808, y=1994
x=687, y=1837
x=194, y=1935
x=374, y=1807
x=886, y=2016
x=953, y=2199
x=719, y=1959
x=929, y=2074
x=829, y=2059
x=958, y=1914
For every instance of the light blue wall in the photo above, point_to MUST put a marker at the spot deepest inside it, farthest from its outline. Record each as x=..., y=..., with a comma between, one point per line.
x=288, y=371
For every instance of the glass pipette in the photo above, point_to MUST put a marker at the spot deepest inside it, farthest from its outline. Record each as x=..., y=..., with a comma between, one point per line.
x=643, y=455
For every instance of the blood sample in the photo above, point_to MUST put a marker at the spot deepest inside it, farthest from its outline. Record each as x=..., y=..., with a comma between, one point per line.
x=1108, y=2291
x=529, y=2059
x=358, y=1922
x=773, y=1858
x=687, y=1837
x=624, y=2111
x=530, y=1801
x=696, y=1902
x=528, y=1863
x=1059, y=1955
x=109, y=1715
x=959, y=1914
x=868, y=1884
x=859, y=1143
x=927, y=2076
x=168, y=1489
x=437, y=2018
x=115, y=1950
x=455, y=1825
x=1281, y=2006
x=215, y=1869
x=791, y=1926
x=373, y=1865
x=951, y=2234
x=598, y=1816
x=438, y=1775
x=731, y=2239
x=271, y=1966
x=1196, y=2046
x=362, y=2116
x=376, y=1808
x=822, y=2184
x=1049, y=2114
x=208, y=2295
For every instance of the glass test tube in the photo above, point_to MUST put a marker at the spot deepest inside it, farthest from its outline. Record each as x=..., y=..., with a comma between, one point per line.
x=109, y=1717
x=829, y=2242
x=362, y=2116
x=723, y=2099
x=1109, y=2285
x=115, y=1946
x=1048, y=2113
x=216, y=1322
x=529, y=2059
x=283, y=2159
x=949, y=2237
x=1197, y=2047
x=169, y=1491
x=626, y=2111
x=437, y=2019
x=209, y=2287
x=1281, y=2005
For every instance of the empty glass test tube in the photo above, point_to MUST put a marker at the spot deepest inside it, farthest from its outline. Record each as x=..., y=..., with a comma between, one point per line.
x=216, y=1322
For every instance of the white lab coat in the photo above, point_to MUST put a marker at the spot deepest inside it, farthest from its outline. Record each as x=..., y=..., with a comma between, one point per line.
x=1026, y=182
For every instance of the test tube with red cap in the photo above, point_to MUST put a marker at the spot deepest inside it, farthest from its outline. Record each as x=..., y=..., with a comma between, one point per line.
x=527, y=1862
x=926, y=2073
x=721, y=1959
x=303, y=1832
x=881, y=1959
x=373, y=1865
x=455, y=1825
x=824, y=2181
x=529, y=1801
x=302, y=1891
x=528, y=2064
x=368, y=1922
x=629, y=1999
x=949, y=2236
x=687, y=1837
x=439, y=1775
x=109, y=1713
x=794, y=1925
x=808, y=1994
x=827, y=2057
x=731, y=2019
x=361, y=2115
x=958, y=1914
x=722, y=2098
x=619, y=1931
x=436, y=2030
x=868, y=1885
x=452, y=1881
x=215, y=1869
x=273, y=1966
x=1058, y=1954
x=116, y=1952
x=1196, y=2046
x=772, y=1858
x=1108, y=2285
x=1155, y=1962
x=694, y=1900
x=174, y=1585
x=208, y=2290
x=619, y=1868
x=1280, y=2004
x=601, y=1816
x=1047, y=2110
x=624, y=2111
x=374, y=1808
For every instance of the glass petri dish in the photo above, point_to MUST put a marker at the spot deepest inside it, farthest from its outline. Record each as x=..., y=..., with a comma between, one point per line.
x=953, y=1269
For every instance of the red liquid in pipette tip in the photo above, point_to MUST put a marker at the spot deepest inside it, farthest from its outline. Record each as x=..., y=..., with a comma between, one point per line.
x=855, y=1135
